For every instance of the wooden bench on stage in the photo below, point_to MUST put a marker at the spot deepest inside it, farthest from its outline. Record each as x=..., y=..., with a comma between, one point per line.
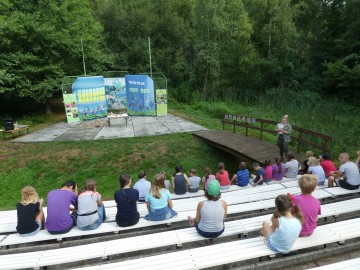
x=117, y=116
x=16, y=130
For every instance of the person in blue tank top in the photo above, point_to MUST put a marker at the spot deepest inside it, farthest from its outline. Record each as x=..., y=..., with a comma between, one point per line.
x=286, y=225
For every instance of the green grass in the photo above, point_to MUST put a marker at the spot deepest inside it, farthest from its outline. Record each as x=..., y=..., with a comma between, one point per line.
x=47, y=165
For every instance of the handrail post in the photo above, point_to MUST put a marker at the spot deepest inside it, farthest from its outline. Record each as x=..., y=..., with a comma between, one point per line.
x=261, y=131
x=234, y=126
x=299, y=142
x=246, y=129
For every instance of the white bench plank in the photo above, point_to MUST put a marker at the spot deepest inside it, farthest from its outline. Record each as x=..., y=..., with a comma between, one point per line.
x=344, y=265
x=337, y=191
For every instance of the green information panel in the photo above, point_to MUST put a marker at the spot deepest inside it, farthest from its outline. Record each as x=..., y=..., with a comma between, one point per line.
x=71, y=108
x=161, y=102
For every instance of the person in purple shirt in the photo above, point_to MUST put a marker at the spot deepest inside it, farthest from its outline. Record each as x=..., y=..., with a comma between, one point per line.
x=59, y=201
x=278, y=171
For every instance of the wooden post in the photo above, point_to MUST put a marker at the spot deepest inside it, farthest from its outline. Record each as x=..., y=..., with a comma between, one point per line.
x=299, y=142
x=234, y=126
x=246, y=129
x=261, y=131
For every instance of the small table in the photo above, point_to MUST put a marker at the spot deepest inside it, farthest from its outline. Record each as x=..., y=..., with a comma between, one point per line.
x=18, y=129
x=116, y=117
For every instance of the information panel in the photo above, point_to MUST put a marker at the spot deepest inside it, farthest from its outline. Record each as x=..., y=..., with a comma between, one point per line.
x=71, y=108
x=140, y=95
x=161, y=102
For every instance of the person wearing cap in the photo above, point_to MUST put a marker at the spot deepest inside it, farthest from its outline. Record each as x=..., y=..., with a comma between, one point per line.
x=327, y=164
x=210, y=214
x=283, y=136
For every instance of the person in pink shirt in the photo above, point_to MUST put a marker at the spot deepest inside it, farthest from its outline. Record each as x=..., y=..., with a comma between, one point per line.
x=268, y=171
x=223, y=176
x=327, y=164
x=207, y=177
x=309, y=205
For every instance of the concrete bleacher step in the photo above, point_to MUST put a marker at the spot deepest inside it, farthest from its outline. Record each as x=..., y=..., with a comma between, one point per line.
x=151, y=241
x=236, y=251
x=43, y=235
x=353, y=264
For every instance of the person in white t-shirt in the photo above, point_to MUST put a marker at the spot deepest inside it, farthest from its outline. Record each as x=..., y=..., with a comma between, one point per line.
x=347, y=176
x=291, y=167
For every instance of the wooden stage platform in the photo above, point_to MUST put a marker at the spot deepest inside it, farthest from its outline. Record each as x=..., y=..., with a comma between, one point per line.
x=250, y=148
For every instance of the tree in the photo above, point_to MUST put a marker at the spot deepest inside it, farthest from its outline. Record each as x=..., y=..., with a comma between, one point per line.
x=40, y=44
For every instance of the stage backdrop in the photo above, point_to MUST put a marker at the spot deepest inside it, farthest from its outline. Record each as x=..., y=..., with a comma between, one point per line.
x=115, y=93
x=90, y=96
x=140, y=95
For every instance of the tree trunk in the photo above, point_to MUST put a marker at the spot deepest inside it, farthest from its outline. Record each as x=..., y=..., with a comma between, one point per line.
x=48, y=107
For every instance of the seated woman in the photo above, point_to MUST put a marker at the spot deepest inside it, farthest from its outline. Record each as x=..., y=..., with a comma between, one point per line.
x=210, y=214
x=29, y=212
x=278, y=170
x=91, y=211
x=158, y=201
x=126, y=198
x=180, y=181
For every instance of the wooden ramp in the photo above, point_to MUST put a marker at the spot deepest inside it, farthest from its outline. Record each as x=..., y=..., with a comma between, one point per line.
x=242, y=146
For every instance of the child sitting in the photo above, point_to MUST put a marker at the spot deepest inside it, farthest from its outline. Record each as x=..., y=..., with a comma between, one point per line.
x=158, y=201
x=316, y=169
x=278, y=170
x=91, y=211
x=142, y=185
x=258, y=179
x=29, y=212
x=309, y=205
x=268, y=171
x=166, y=182
x=223, y=176
x=242, y=177
x=207, y=177
x=286, y=225
x=180, y=181
x=194, y=181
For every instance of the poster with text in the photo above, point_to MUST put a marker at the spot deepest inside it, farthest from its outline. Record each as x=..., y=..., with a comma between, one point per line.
x=115, y=93
x=90, y=96
x=161, y=102
x=140, y=95
x=71, y=108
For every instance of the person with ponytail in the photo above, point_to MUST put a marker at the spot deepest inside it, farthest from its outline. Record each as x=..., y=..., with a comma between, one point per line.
x=309, y=205
x=207, y=177
x=158, y=201
x=126, y=198
x=286, y=225
x=91, y=211
x=278, y=170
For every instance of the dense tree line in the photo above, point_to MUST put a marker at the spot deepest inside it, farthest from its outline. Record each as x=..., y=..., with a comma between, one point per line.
x=208, y=49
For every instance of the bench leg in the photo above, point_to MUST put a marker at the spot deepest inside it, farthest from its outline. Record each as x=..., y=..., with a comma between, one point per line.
x=126, y=121
x=109, y=122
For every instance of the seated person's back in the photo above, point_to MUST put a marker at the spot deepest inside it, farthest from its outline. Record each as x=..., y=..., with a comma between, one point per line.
x=194, y=181
x=58, y=218
x=126, y=198
x=242, y=177
x=180, y=181
x=291, y=167
x=327, y=164
x=142, y=185
x=278, y=170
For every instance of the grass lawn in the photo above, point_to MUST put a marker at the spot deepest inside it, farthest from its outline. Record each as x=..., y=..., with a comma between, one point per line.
x=47, y=165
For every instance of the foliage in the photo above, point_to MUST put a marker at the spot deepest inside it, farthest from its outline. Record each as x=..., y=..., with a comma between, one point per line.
x=40, y=43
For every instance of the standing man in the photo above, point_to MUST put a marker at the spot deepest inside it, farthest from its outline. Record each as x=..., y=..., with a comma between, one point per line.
x=347, y=176
x=283, y=136
x=60, y=202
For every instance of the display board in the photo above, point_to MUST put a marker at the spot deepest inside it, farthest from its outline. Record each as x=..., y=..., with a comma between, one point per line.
x=140, y=95
x=161, y=102
x=71, y=108
x=115, y=93
x=90, y=97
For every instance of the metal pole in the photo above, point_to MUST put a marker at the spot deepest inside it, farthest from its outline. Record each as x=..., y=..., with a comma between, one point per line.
x=83, y=56
x=150, y=57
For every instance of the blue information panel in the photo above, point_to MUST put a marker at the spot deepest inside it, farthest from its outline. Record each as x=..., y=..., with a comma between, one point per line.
x=140, y=95
x=90, y=96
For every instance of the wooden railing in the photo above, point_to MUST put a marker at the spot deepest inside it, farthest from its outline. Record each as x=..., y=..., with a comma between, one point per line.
x=301, y=136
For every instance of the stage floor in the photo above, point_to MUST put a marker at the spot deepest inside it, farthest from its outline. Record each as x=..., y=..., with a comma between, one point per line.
x=137, y=126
